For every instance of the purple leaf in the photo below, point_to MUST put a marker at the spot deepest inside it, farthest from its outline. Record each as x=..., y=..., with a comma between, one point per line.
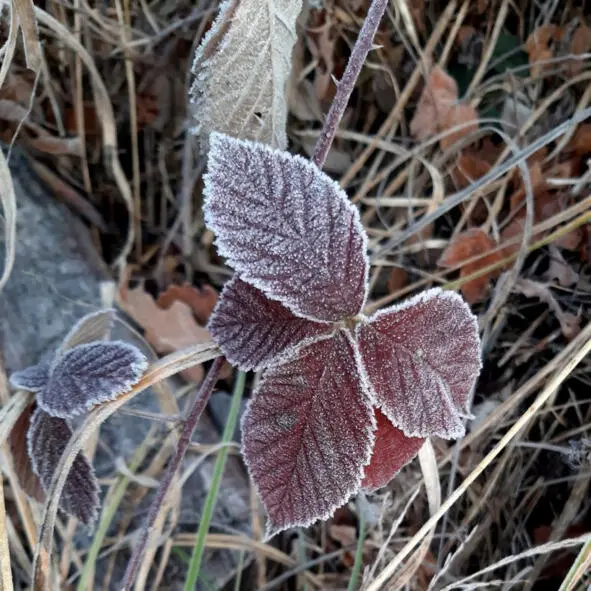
x=31, y=378
x=254, y=331
x=422, y=359
x=47, y=439
x=92, y=327
x=308, y=433
x=27, y=477
x=91, y=374
x=286, y=228
x=391, y=452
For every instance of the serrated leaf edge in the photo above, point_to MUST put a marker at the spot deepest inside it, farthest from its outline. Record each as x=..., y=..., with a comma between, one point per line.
x=285, y=156
x=139, y=367
x=271, y=531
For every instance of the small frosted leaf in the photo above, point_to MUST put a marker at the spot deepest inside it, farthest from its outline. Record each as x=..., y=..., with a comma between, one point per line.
x=47, y=439
x=92, y=327
x=286, y=228
x=253, y=330
x=422, y=359
x=307, y=433
x=23, y=467
x=31, y=378
x=391, y=452
x=91, y=374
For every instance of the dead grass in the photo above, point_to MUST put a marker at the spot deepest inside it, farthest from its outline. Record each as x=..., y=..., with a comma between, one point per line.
x=514, y=507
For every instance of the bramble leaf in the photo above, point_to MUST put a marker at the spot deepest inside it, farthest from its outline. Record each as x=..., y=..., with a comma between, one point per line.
x=308, y=433
x=241, y=70
x=47, y=439
x=391, y=452
x=286, y=228
x=31, y=378
x=23, y=467
x=254, y=331
x=90, y=374
x=92, y=327
x=422, y=359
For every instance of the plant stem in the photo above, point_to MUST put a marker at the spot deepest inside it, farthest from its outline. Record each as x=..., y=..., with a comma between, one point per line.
x=347, y=83
x=218, y=471
x=189, y=425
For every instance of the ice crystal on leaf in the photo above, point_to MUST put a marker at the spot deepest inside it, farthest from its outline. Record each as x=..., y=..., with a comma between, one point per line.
x=85, y=371
x=345, y=401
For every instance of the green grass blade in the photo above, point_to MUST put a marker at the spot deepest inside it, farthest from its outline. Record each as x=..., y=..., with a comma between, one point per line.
x=197, y=557
x=358, y=552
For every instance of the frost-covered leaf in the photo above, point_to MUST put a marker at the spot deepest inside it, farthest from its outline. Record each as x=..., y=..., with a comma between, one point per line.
x=241, y=70
x=92, y=327
x=47, y=439
x=91, y=374
x=307, y=433
x=253, y=330
x=391, y=452
x=286, y=228
x=31, y=378
x=21, y=461
x=422, y=358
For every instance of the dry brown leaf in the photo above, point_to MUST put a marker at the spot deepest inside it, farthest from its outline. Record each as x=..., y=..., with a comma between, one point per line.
x=241, y=69
x=166, y=330
x=580, y=143
x=580, y=44
x=559, y=270
x=469, y=168
x=201, y=301
x=538, y=47
x=438, y=110
x=465, y=246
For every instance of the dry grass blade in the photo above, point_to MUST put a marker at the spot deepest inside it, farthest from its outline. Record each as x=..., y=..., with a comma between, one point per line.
x=166, y=367
x=241, y=71
x=8, y=201
x=559, y=377
x=5, y=570
x=28, y=23
x=10, y=413
x=430, y=472
x=105, y=117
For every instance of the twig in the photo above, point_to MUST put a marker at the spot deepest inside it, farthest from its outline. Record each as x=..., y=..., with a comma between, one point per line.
x=347, y=82
x=189, y=425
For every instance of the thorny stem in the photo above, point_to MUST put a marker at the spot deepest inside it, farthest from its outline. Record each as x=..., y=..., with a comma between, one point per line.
x=347, y=82
x=189, y=425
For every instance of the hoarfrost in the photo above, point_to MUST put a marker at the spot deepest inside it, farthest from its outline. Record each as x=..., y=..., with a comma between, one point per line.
x=286, y=228
x=254, y=331
x=308, y=433
x=422, y=359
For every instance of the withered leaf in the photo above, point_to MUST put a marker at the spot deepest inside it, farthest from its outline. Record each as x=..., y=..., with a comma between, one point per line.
x=241, y=70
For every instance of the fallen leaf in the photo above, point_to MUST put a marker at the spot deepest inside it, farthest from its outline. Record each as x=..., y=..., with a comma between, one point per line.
x=469, y=168
x=439, y=110
x=201, y=301
x=580, y=44
x=167, y=330
x=241, y=69
x=580, y=143
x=346, y=535
x=538, y=47
x=465, y=246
